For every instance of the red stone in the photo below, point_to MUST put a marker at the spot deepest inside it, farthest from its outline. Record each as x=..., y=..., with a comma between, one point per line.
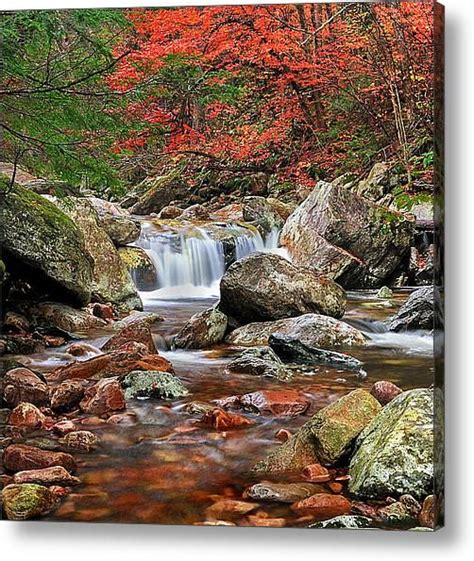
x=82, y=349
x=138, y=332
x=223, y=420
x=316, y=473
x=56, y=475
x=384, y=392
x=104, y=397
x=23, y=385
x=103, y=311
x=19, y=457
x=323, y=506
x=26, y=415
x=278, y=403
x=67, y=395
x=283, y=435
x=428, y=517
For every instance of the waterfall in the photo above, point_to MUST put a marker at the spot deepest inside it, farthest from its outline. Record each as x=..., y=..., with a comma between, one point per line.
x=190, y=261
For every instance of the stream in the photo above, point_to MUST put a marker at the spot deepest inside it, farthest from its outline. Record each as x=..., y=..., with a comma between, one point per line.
x=158, y=465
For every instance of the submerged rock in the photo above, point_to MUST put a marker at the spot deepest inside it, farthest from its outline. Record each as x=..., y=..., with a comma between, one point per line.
x=259, y=361
x=41, y=243
x=223, y=420
x=416, y=313
x=202, y=330
x=347, y=522
x=311, y=329
x=293, y=350
x=26, y=501
x=327, y=437
x=264, y=286
x=153, y=384
x=354, y=241
x=394, y=454
x=282, y=492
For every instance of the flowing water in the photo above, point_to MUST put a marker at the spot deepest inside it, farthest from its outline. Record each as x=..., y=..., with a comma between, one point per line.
x=158, y=465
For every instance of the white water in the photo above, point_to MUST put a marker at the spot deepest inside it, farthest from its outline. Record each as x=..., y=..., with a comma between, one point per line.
x=190, y=262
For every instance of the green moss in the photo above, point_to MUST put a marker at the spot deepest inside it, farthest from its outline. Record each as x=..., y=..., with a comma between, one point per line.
x=135, y=258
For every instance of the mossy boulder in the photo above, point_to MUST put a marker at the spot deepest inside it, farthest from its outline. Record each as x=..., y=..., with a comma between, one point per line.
x=111, y=281
x=153, y=384
x=394, y=454
x=42, y=244
x=327, y=437
x=26, y=501
x=154, y=194
x=202, y=330
x=140, y=267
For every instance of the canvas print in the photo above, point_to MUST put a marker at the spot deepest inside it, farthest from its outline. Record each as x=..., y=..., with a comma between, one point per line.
x=222, y=265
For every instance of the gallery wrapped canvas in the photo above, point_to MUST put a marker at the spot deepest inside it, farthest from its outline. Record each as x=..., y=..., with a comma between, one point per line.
x=222, y=265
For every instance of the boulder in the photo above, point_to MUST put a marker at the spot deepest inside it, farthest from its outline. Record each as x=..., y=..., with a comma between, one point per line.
x=354, y=241
x=394, y=454
x=327, y=437
x=277, y=403
x=19, y=457
x=42, y=244
x=269, y=491
x=82, y=440
x=263, y=286
x=26, y=501
x=140, y=266
x=312, y=329
x=158, y=193
x=153, y=384
x=204, y=329
x=55, y=475
x=380, y=182
x=26, y=415
x=259, y=361
x=67, y=395
x=23, y=385
x=103, y=398
x=292, y=350
x=170, y=211
x=416, y=313
x=61, y=316
x=195, y=212
x=136, y=332
x=262, y=214
x=122, y=230
x=111, y=281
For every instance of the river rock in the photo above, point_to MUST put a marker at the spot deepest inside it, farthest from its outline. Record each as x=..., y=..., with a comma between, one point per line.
x=258, y=211
x=170, y=211
x=55, y=475
x=323, y=506
x=385, y=392
x=346, y=522
x=394, y=454
x=195, y=212
x=354, y=241
x=103, y=398
x=111, y=281
x=26, y=415
x=122, y=230
x=83, y=440
x=140, y=266
x=19, y=457
x=416, y=313
x=290, y=349
x=43, y=245
x=137, y=332
x=281, y=492
x=277, y=403
x=155, y=194
x=311, y=329
x=64, y=317
x=429, y=514
x=159, y=385
x=263, y=286
x=83, y=350
x=204, y=329
x=223, y=420
x=327, y=437
x=23, y=385
x=259, y=361
x=23, y=502
x=402, y=513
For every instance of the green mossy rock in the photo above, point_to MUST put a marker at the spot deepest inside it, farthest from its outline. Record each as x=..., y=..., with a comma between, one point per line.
x=22, y=502
x=327, y=437
x=41, y=243
x=203, y=329
x=394, y=454
x=154, y=384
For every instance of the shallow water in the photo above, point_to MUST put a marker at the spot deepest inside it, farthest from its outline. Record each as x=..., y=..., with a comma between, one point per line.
x=159, y=466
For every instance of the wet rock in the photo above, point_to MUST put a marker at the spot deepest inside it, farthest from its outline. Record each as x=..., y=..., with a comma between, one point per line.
x=122, y=230
x=64, y=317
x=316, y=473
x=385, y=292
x=277, y=403
x=323, y=506
x=20, y=457
x=402, y=513
x=140, y=266
x=263, y=286
x=22, y=344
x=67, y=396
x=137, y=332
x=103, y=398
x=223, y=420
x=283, y=435
x=394, y=454
x=354, y=241
x=170, y=211
x=261, y=213
x=259, y=361
x=103, y=311
x=23, y=385
x=45, y=245
x=347, y=522
x=111, y=281
x=204, y=329
x=195, y=212
x=82, y=349
x=55, y=475
x=263, y=521
x=281, y=492
x=229, y=507
x=153, y=384
x=428, y=517
x=83, y=440
x=312, y=329
x=23, y=502
x=293, y=350
x=63, y=427
x=416, y=313
x=327, y=437
x=385, y=392
x=26, y=415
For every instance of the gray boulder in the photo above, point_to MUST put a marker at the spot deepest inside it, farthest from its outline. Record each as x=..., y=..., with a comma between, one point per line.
x=153, y=384
x=122, y=230
x=416, y=313
x=260, y=361
x=204, y=329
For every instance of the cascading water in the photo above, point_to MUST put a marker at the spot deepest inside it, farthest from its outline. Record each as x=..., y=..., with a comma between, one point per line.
x=190, y=261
